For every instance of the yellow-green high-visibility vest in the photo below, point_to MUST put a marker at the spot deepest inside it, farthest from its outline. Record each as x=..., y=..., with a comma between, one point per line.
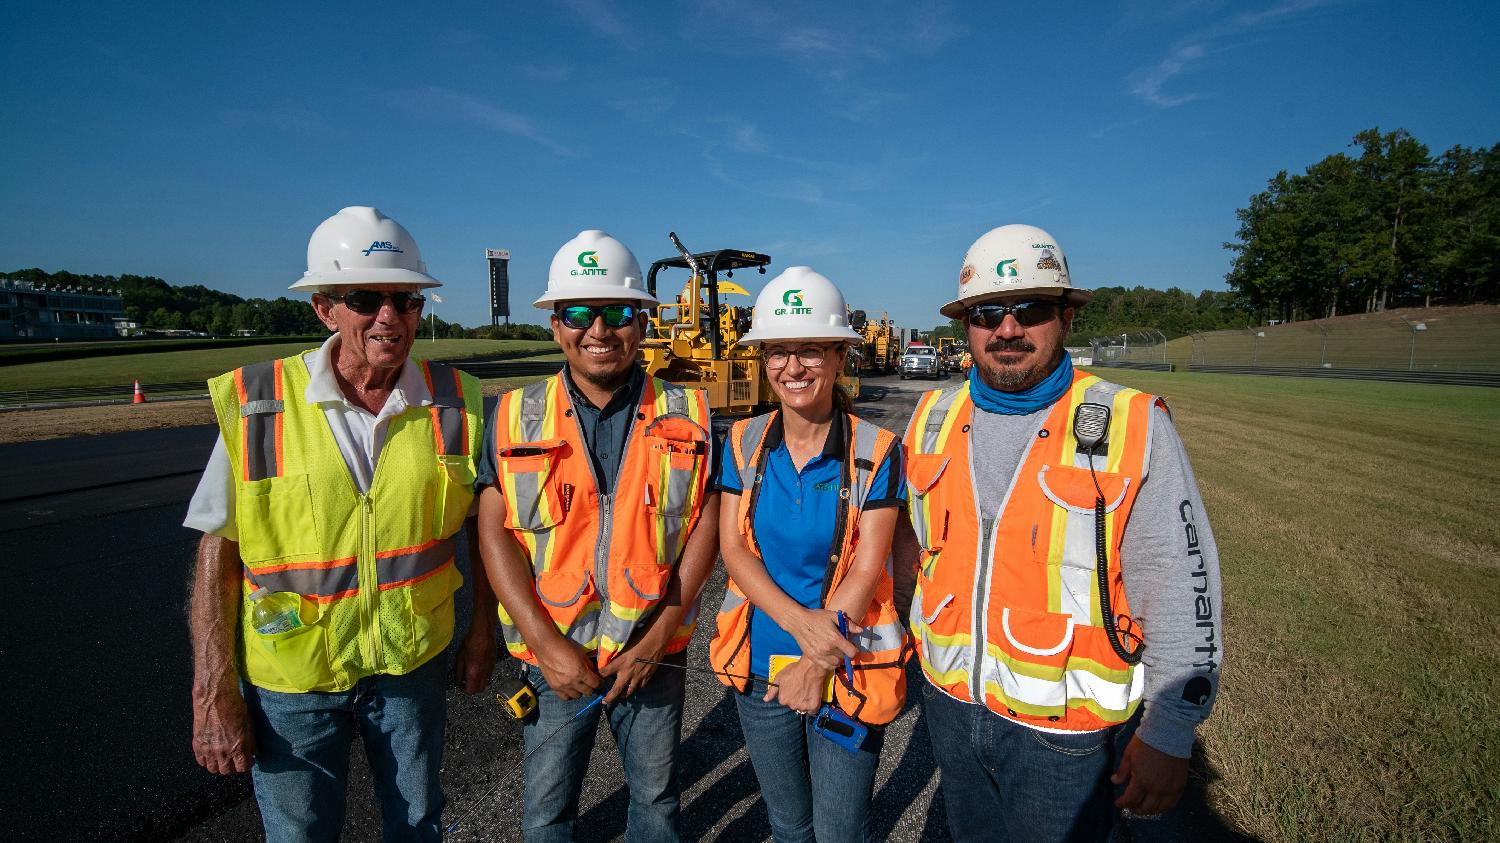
x=374, y=571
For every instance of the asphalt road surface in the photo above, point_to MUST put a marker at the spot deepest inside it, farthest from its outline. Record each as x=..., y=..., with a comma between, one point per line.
x=98, y=723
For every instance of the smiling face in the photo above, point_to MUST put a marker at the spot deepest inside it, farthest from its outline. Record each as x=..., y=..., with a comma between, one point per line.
x=799, y=385
x=600, y=354
x=1014, y=358
x=377, y=341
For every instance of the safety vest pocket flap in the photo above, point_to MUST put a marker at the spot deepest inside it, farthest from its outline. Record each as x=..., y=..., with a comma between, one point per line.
x=275, y=519
x=429, y=593
x=648, y=581
x=1073, y=488
x=562, y=588
x=1047, y=635
x=923, y=471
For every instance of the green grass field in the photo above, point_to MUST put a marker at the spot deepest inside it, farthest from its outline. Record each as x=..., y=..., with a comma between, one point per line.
x=1361, y=565
x=168, y=366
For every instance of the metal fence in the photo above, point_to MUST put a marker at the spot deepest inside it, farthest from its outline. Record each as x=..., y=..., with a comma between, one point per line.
x=1144, y=349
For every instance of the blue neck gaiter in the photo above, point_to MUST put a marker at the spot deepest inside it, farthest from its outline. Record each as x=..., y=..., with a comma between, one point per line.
x=1043, y=394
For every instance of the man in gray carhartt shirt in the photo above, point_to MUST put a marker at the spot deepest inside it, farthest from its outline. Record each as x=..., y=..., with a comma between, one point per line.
x=1044, y=738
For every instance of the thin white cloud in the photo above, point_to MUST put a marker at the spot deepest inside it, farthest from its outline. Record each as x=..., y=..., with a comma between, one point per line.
x=643, y=99
x=292, y=120
x=603, y=18
x=1150, y=83
x=481, y=112
x=833, y=46
x=550, y=73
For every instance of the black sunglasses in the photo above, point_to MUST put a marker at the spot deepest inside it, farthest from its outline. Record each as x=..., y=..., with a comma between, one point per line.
x=581, y=316
x=1027, y=313
x=369, y=302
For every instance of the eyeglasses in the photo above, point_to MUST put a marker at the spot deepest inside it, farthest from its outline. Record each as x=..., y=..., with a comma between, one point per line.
x=369, y=302
x=1027, y=313
x=581, y=316
x=810, y=356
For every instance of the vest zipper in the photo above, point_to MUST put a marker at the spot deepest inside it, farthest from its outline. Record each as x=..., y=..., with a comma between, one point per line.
x=990, y=529
x=601, y=550
x=369, y=582
x=978, y=610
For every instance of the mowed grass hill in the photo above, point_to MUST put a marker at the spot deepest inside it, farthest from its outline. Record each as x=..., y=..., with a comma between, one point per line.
x=1361, y=564
x=1451, y=339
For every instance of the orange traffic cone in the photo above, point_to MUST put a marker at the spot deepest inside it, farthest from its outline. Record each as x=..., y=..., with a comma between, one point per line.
x=139, y=397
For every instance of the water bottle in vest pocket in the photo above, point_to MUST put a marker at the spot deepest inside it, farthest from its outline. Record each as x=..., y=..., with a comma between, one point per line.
x=534, y=499
x=292, y=661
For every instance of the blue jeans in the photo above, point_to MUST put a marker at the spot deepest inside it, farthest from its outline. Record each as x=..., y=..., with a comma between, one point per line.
x=813, y=788
x=647, y=726
x=1005, y=781
x=302, y=744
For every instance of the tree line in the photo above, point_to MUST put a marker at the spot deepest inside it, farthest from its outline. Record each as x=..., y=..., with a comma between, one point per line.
x=1120, y=310
x=154, y=304
x=1389, y=225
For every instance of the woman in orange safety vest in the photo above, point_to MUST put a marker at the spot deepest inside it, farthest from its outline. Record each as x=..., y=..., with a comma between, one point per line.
x=805, y=532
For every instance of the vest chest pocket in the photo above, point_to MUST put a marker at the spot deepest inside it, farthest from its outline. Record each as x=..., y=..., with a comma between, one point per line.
x=1073, y=488
x=533, y=499
x=275, y=519
x=455, y=493
x=678, y=449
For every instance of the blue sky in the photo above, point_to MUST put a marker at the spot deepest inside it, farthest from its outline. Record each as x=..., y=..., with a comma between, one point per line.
x=873, y=141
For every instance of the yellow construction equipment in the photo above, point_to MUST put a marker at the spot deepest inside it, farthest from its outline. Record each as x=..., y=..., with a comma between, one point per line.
x=692, y=341
x=881, y=353
x=950, y=350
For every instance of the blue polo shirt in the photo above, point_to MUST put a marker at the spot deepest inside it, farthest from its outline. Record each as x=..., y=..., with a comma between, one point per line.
x=794, y=522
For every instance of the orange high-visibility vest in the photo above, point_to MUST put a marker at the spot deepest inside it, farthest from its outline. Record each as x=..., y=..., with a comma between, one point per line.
x=1018, y=627
x=601, y=562
x=878, y=688
x=374, y=570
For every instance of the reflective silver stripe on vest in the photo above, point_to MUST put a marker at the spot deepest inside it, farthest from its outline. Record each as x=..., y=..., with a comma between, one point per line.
x=676, y=398
x=585, y=628
x=534, y=409
x=935, y=418
x=865, y=438
x=404, y=567
x=731, y=602
x=312, y=583
x=449, y=401
x=886, y=636
x=260, y=421
x=755, y=432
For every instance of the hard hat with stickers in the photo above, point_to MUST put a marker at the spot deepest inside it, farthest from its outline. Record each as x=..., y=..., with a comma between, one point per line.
x=1013, y=259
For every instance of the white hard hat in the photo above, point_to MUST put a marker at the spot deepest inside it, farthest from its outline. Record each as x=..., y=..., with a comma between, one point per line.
x=360, y=245
x=800, y=304
x=1013, y=259
x=594, y=265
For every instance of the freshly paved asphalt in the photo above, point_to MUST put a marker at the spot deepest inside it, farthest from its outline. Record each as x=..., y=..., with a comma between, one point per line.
x=96, y=655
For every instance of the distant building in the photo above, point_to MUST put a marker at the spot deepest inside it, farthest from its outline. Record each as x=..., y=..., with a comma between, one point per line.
x=41, y=312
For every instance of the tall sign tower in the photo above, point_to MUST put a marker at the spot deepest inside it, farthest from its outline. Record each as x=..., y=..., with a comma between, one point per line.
x=499, y=260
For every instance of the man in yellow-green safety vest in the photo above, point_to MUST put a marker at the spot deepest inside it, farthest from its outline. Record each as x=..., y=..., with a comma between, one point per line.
x=322, y=598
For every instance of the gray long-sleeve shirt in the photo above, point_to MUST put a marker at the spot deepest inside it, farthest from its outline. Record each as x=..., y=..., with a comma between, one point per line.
x=1170, y=564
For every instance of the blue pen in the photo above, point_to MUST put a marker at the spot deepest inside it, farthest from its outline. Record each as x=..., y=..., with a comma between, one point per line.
x=844, y=631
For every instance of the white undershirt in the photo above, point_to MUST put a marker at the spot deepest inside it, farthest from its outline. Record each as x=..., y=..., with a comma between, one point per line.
x=359, y=433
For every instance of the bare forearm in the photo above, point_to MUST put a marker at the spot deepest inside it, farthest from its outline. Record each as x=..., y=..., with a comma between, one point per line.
x=484, y=594
x=905, y=560
x=854, y=593
x=214, y=615
x=750, y=575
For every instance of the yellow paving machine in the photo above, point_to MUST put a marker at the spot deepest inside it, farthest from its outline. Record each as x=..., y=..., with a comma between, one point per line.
x=881, y=353
x=693, y=340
